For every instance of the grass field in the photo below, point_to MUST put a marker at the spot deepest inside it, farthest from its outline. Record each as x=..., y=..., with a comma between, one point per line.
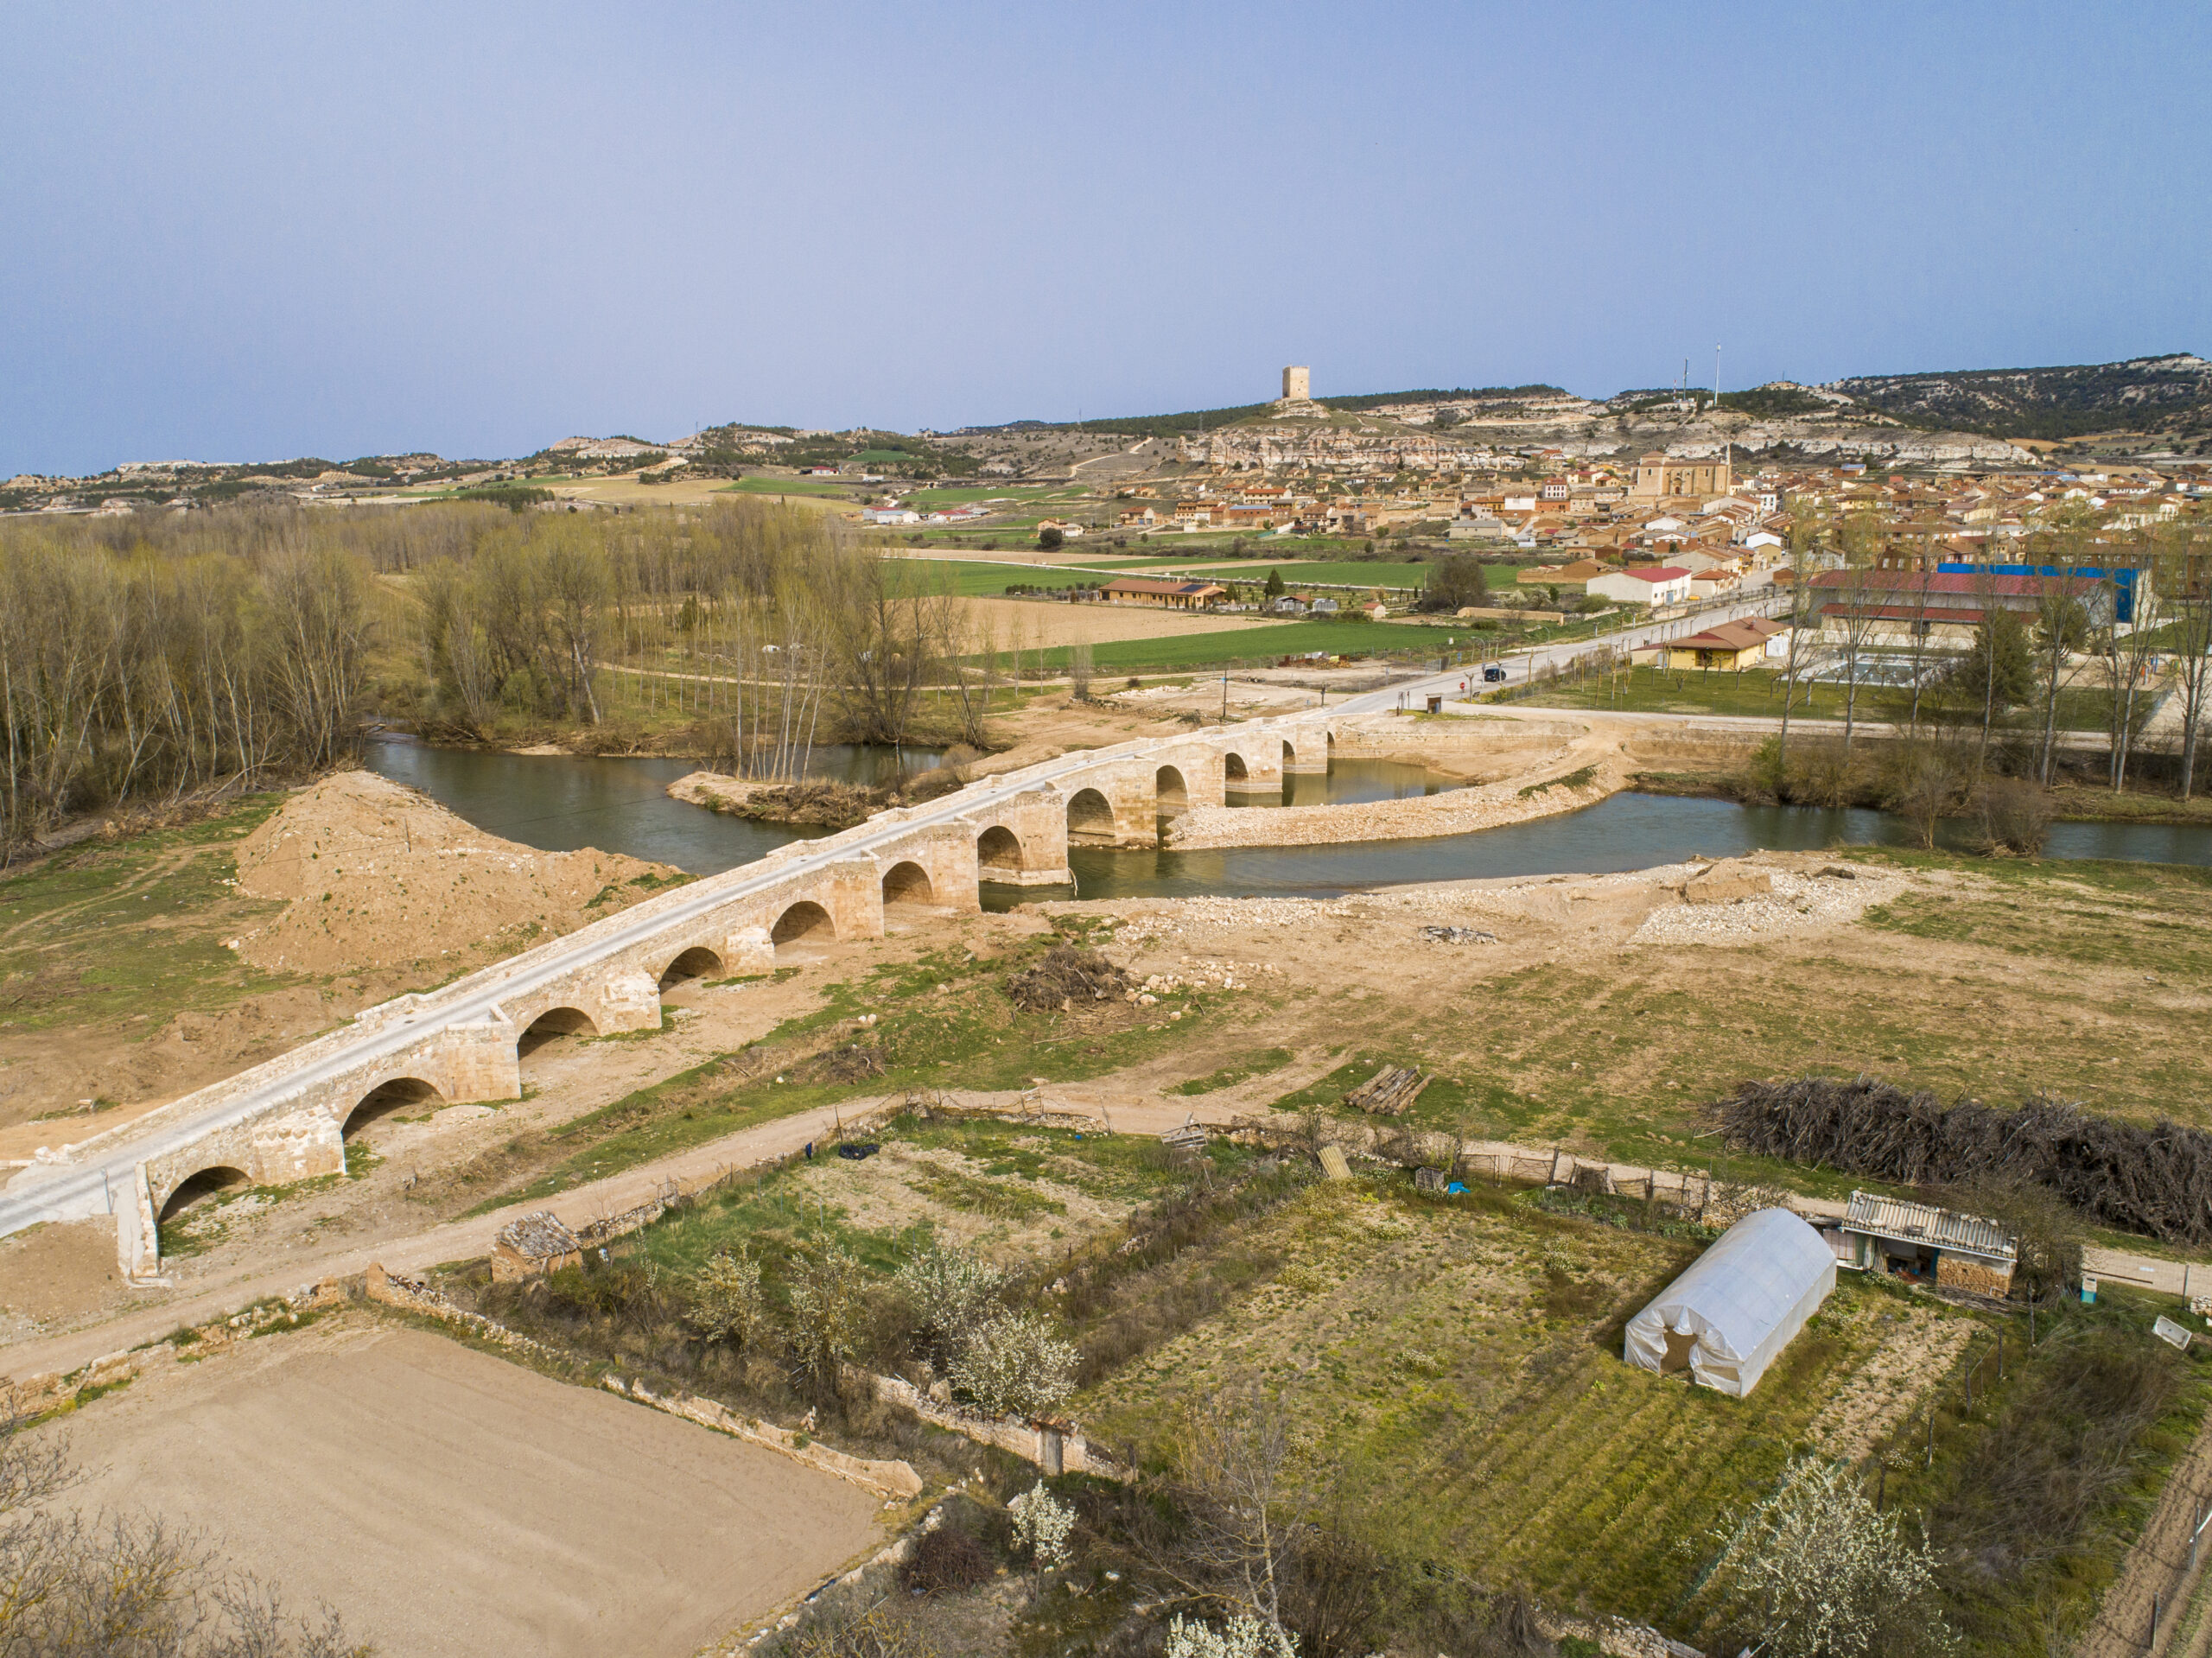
x=1270, y=644
x=1304, y=572
x=970, y=1024
x=1757, y=692
x=964, y=494
x=2029, y=975
x=784, y=487
x=135, y=928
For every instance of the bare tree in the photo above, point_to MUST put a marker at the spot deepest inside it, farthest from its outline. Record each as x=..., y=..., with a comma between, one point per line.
x=1862, y=588
x=2183, y=575
x=1231, y=1460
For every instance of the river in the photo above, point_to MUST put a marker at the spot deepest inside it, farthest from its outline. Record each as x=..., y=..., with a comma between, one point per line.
x=560, y=803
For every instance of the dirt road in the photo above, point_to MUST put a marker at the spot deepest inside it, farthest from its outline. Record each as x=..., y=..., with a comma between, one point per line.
x=448, y=1501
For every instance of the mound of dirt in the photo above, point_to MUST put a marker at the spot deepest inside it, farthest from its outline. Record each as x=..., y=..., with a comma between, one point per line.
x=372, y=874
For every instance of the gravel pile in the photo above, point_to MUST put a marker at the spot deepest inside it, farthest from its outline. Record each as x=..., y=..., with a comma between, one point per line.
x=1798, y=904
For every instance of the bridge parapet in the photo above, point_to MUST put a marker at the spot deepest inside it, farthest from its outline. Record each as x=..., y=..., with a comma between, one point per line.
x=285, y=1119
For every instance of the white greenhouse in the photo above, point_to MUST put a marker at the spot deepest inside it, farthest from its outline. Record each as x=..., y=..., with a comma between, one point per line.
x=1739, y=1304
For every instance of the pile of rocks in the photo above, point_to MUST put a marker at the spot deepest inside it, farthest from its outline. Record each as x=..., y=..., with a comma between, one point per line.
x=1792, y=904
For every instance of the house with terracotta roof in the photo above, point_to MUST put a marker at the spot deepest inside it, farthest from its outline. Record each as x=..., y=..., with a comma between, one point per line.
x=1899, y=606
x=1733, y=645
x=1164, y=595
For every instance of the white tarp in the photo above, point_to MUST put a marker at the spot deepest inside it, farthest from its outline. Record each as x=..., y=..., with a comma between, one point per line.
x=1739, y=1303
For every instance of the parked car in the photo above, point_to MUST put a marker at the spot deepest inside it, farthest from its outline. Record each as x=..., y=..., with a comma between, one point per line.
x=1494, y=675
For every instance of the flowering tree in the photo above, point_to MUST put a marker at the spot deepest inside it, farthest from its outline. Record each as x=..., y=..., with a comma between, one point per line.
x=1041, y=1525
x=1013, y=1365
x=1241, y=1638
x=952, y=1291
x=1820, y=1574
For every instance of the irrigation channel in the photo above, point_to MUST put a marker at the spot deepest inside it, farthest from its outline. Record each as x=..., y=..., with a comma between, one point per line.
x=560, y=803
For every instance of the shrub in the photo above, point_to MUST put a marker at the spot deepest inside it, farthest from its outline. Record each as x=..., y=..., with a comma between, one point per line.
x=2015, y=816
x=948, y=1558
x=726, y=1305
x=1817, y=1574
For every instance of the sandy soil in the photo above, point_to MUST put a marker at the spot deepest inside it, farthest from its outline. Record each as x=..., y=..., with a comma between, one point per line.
x=382, y=891
x=372, y=872
x=51, y=1271
x=1032, y=623
x=448, y=1501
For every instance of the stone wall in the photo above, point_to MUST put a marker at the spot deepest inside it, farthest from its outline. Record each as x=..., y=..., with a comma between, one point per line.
x=1055, y=1447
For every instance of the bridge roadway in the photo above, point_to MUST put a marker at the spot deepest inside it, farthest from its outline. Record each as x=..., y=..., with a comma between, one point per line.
x=132, y=1171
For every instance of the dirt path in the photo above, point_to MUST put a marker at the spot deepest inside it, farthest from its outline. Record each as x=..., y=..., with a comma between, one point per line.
x=448, y=1501
x=2156, y=1570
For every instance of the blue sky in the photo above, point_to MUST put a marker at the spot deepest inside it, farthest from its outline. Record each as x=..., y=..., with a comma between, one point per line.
x=240, y=232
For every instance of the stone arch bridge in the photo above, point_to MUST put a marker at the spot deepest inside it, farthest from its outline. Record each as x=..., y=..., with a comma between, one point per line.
x=288, y=1119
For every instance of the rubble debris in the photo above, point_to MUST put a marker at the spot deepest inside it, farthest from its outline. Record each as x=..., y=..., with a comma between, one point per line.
x=1458, y=936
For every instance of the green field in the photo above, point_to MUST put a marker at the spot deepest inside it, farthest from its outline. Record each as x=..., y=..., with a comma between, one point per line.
x=962, y=495
x=1349, y=573
x=784, y=486
x=1266, y=645
x=974, y=578
x=136, y=928
x=1757, y=692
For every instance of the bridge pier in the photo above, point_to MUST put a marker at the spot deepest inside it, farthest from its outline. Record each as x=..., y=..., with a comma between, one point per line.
x=1304, y=751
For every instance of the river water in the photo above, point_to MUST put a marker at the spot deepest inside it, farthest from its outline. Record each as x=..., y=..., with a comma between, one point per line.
x=560, y=803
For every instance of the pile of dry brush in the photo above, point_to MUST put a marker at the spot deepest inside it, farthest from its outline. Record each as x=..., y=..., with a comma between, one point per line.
x=2155, y=1181
x=1068, y=975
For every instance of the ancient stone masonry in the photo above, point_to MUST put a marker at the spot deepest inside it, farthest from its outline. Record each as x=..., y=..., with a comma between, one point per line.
x=896, y=1480
x=1056, y=1447
x=287, y=1119
x=535, y=1244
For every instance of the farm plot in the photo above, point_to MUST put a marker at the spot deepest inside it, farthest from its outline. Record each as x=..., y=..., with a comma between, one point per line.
x=1030, y=625
x=1008, y=1193
x=1458, y=1362
x=446, y=1502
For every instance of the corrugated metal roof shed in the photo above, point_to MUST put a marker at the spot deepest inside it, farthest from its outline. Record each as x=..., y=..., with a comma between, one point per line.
x=1939, y=1229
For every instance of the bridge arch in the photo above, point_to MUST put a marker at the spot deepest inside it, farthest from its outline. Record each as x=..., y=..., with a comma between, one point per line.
x=1170, y=793
x=391, y=1095
x=554, y=1022
x=803, y=920
x=907, y=882
x=1091, y=817
x=697, y=963
x=1233, y=769
x=997, y=848
x=199, y=1185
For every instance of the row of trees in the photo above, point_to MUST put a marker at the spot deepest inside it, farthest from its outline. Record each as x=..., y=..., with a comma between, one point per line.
x=154, y=656
x=2124, y=614
x=139, y=672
